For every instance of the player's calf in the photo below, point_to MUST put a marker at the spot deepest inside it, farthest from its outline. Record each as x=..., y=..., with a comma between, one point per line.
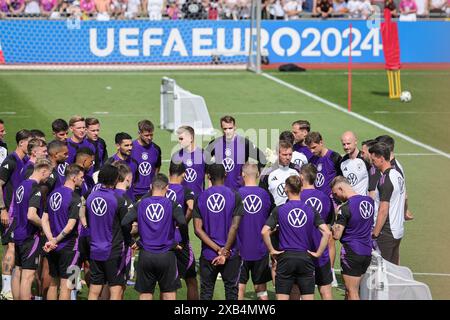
x=26, y=281
x=52, y=292
x=192, y=288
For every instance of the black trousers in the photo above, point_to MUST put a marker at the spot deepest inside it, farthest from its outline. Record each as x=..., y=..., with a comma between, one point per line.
x=230, y=272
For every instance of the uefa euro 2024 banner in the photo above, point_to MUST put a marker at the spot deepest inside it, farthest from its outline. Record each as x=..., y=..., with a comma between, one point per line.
x=142, y=41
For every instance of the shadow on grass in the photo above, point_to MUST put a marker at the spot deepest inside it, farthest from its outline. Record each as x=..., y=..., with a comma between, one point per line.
x=380, y=93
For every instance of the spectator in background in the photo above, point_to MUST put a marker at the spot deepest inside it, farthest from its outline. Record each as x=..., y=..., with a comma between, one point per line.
x=118, y=8
x=265, y=6
x=438, y=6
x=32, y=7
x=276, y=10
x=73, y=10
x=389, y=4
x=65, y=4
x=324, y=8
x=16, y=7
x=244, y=9
x=193, y=10
x=155, y=9
x=133, y=9
x=340, y=7
x=213, y=10
x=173, y=11
x=366, y=9
x=230, y=9
x=87, y=8
x=4, y=8
x=292, y=9
x=408, y=10
x=49, y=8
x=422, y=8
x=103, y=8
x=447, y=10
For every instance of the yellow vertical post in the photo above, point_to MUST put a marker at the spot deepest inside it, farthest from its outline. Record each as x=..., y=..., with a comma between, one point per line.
x=394, y=82
x=389, y=75
x=399, y=84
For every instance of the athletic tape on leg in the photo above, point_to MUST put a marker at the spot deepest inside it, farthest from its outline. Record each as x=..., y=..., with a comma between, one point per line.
x=262, y=294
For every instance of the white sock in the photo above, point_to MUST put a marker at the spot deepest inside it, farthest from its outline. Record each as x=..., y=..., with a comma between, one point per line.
x=37, y=298
x=73, y=295
x=335, y=283
x=6, y=283
x=132, y=268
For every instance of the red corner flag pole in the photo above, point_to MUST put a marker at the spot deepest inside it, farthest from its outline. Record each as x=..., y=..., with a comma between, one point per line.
x=350, y=72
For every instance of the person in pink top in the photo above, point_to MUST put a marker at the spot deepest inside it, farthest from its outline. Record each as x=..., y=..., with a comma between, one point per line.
x=87, y=6
x=4, y=8
x=48, y=6
x=408, y=10
x=172, y=11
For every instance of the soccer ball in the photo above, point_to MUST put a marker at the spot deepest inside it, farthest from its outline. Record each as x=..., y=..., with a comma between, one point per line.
x=405, y=96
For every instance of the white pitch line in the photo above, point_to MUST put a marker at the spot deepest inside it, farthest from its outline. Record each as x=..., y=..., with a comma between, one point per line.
x=416, y=154
x=124, y=73
x=8, y=112
x=107, y=114
x=272, y=112
x=380, y=73
x=416, y=273
x=411, y=112
x=431, y=274
x=357, y=116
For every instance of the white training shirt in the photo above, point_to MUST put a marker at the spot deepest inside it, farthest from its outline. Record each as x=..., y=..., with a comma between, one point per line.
x=299, y=159
x=356, y=171
x=273, y=180
x=391, y=187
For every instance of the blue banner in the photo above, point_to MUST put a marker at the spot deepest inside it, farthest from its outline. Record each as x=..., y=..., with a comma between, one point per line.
x=142, y=41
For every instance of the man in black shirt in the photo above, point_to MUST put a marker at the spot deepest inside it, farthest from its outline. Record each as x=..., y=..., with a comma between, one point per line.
x=324, y=8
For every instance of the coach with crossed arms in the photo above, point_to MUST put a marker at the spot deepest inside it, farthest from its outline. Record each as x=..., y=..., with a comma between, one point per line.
x=232, y=151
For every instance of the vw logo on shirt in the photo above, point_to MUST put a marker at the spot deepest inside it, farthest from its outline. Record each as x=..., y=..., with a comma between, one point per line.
x=145, y=168
x=190, y=175
x=315, y=203
x=320, y=179
x=154, y=212
x=216, y=202
x=228, y=164
x=19, y=194
x=252, y=203
x=170, y=194
x=366, y=209
x=99, y=206
x=55, y=201
x=297, y=218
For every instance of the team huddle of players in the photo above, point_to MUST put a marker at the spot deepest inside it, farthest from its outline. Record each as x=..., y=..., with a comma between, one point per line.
x=66, y=205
